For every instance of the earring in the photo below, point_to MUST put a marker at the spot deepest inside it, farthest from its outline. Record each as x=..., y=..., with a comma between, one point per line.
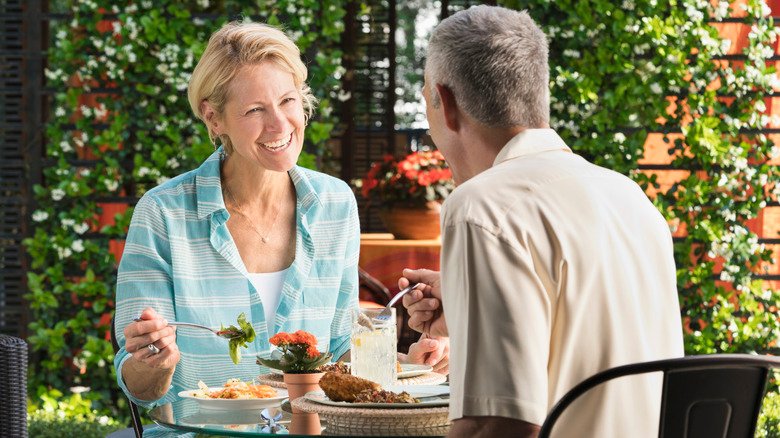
x=216, y=141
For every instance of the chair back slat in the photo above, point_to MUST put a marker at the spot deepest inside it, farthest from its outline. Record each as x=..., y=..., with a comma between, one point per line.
x=703, y=396
x=135, y=415
x=13, y=386
x=712, y=402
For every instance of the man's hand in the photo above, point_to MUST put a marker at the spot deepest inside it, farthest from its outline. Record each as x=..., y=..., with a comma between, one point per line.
x=434, y=352
x=424, y=305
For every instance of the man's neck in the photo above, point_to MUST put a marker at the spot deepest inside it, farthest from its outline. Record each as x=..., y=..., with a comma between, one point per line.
x=483, y=145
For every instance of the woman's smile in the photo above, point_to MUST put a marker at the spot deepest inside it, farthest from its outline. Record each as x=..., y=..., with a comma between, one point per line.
x=278, y=145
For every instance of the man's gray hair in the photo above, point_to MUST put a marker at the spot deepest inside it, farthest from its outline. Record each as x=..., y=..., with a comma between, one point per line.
x=494, y=60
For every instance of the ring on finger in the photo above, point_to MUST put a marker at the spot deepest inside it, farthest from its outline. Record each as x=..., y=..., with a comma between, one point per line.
x=153, y=349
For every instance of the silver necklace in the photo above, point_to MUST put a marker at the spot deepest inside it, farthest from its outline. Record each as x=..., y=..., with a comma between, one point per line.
x=249, y=220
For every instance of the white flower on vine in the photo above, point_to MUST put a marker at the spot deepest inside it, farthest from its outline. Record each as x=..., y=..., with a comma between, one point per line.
x=111, y=184
x=722, y=10
x=64, y=253
x=40, y=216
x=571, y=53
x=619, y=137
x=765, y=9
x=65, y=146
x=203, y=3
x=78, y=245
x=81, y=228
x=172, y=163
x=57, y=194
x=100, y=111
x=655, y=88
x=60, y=112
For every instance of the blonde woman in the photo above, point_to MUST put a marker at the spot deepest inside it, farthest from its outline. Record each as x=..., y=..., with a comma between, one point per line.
x=248, y=231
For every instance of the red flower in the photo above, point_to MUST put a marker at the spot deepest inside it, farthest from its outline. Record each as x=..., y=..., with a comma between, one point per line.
x=406, y=181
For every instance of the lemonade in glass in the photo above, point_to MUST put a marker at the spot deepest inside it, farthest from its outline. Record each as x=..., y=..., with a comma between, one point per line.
x=373, y=349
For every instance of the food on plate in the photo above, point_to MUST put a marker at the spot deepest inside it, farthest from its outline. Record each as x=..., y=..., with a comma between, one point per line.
x=398, y=367
x=338, y=367
x=238, y=336
x=339, y=386
x=345, y=387
x=382, y=396
x=235, y=389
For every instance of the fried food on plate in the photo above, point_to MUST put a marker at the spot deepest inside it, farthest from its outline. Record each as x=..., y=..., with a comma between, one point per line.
x=371, y=396
x=338, y=367
x=345, y=387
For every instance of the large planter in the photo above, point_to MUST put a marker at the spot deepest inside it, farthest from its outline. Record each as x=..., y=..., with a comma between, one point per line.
x=300, y=384
x=408, y=223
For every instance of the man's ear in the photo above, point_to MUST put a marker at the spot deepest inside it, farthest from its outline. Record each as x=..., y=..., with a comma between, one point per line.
x=449, y=107
x=209, y=115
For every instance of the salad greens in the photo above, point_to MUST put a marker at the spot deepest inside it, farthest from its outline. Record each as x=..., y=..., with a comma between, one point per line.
x=238, y=336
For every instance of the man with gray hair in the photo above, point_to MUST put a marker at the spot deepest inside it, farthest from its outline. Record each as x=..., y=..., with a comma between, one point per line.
x=552, y=268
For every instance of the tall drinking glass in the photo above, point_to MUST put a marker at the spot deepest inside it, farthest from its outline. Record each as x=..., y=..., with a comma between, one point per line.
x=374, y=345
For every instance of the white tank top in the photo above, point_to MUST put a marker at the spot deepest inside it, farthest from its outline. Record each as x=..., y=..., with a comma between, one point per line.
x=269, y=286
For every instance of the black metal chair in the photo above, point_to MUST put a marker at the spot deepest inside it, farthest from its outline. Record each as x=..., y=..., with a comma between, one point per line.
x=703, y=396
x=135, y=416
x=13, y=386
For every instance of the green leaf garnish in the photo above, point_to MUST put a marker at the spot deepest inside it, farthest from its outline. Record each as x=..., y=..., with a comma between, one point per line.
x=238, y=337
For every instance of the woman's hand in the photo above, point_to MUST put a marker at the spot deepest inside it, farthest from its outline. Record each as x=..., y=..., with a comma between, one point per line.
x=154, y=330
x=431, y=351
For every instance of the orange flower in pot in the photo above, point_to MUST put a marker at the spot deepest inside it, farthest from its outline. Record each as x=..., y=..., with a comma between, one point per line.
x=297, y=356
x=409, y=192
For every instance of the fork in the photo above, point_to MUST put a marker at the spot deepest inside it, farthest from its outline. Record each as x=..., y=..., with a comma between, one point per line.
x=227, y=334
x=385, y=314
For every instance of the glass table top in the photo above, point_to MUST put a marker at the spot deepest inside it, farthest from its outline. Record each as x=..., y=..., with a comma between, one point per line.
x=187, y=416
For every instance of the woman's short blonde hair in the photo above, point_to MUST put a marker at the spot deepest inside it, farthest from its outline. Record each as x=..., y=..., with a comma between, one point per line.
x=235, y=45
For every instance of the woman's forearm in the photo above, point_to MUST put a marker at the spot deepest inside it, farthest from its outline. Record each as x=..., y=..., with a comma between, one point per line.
x=145, y=382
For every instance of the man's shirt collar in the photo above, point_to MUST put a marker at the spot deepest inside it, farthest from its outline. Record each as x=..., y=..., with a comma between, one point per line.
x=531, y=141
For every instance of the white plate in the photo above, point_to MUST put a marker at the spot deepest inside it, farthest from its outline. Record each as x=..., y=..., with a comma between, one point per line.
x=435, y=395
x=407, y=370
x=226, y=404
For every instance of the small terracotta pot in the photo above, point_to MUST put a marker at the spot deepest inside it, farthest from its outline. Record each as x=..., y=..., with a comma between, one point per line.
x=304, y=423
x=300, y=384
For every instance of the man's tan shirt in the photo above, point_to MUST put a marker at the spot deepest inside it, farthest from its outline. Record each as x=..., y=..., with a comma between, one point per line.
x=552, y=270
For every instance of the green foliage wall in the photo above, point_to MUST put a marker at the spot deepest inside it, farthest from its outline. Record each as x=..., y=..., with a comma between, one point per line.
x=121, y=124
x=613, y=64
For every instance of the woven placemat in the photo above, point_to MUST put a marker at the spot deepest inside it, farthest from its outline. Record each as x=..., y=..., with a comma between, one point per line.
x=272, y=379
x=277, y=380
x=369, y=421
